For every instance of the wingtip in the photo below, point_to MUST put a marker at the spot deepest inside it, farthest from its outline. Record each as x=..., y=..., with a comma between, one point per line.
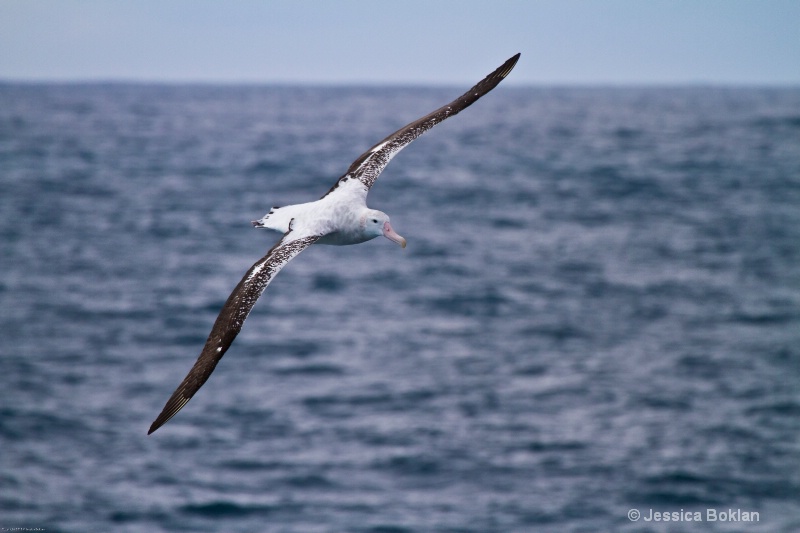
x=509, y=65
x=175, y=404
x=160, y=421
x=154, y=426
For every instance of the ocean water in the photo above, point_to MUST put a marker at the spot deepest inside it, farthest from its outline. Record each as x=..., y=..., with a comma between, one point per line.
x=598, y=311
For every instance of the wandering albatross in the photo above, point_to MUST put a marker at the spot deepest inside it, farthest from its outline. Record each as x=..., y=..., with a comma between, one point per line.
x=340, y=217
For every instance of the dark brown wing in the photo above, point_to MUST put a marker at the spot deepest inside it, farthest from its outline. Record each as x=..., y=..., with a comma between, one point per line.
x=230, y=320
x=371, y=163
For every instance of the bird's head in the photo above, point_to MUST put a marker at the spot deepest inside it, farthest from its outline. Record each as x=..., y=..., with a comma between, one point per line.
x=376, y=224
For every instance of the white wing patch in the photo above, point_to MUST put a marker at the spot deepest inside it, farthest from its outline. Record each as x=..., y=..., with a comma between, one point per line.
x=379, y=146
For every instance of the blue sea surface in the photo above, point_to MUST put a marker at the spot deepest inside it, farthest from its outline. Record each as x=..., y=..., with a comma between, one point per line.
x=598, y=310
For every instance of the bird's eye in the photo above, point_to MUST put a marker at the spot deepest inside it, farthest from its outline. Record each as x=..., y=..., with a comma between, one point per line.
x=375, y=220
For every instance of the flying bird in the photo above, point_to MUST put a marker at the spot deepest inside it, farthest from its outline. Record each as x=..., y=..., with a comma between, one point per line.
x=340, y=217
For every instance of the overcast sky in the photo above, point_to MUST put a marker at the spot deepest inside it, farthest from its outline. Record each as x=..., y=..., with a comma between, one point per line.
x=406, y=41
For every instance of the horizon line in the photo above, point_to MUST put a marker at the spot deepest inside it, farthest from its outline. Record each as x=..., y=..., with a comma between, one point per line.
x=392, y=84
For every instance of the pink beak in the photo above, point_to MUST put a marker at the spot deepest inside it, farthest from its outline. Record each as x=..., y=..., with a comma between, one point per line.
x=390, y=234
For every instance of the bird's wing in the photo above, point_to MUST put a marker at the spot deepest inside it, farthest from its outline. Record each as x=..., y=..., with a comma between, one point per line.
x=232, y=316
x=371, y=163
